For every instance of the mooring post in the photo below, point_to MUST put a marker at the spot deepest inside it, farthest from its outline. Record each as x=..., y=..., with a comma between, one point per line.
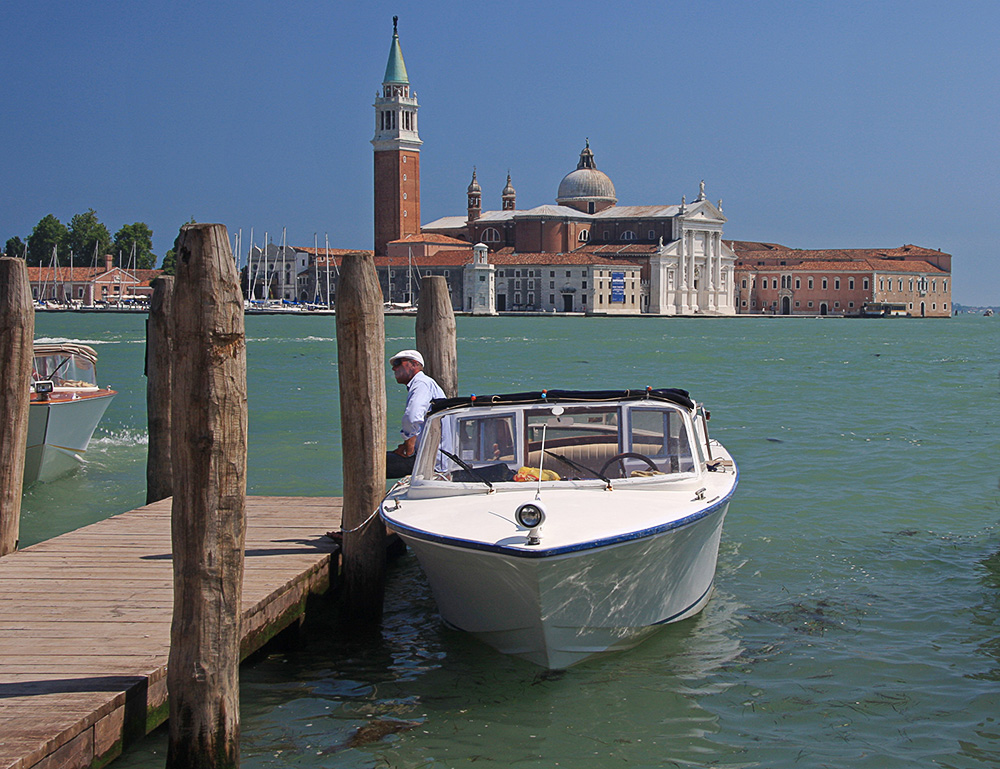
x=159, y=364
x=361, y=366
x=436, y=335
x=17, y=339
x=209, y=454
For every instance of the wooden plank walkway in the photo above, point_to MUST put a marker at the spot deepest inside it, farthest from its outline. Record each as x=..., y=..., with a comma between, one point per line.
x=85, y=623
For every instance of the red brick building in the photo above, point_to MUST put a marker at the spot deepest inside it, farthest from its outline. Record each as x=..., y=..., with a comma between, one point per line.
x=776, y=280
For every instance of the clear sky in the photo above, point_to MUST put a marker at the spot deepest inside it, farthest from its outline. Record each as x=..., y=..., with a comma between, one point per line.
x=819, y=124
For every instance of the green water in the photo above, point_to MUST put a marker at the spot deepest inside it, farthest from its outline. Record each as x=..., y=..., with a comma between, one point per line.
x=857, y=615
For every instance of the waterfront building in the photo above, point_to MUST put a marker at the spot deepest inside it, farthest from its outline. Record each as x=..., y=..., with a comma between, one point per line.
x=777, y=280
x=90, y=286
x=662, y=259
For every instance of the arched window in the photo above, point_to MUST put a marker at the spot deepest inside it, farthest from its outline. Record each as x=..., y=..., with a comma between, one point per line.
x=628, y=235
x=491, y=235
x=584, y=236
x=652, y=235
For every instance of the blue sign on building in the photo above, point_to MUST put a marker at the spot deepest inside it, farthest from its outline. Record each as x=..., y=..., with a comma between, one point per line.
x=618, y=287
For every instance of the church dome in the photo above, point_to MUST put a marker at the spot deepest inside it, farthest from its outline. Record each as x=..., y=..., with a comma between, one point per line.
x=586, y=185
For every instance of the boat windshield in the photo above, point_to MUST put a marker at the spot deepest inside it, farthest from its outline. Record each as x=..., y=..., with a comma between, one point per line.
x=64, y=369
x=581, y=442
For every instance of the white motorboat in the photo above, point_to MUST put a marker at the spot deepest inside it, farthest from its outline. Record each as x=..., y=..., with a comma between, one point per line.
x=66, y=406
x=558, y=525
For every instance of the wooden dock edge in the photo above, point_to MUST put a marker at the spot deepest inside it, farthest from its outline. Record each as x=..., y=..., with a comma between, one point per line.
x=141, y=705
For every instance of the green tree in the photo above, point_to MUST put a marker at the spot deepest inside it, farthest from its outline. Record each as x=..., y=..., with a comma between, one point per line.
x=48, y=233
x=86, y=231
x=141, y=237
x=169, y=263
x=14, y=247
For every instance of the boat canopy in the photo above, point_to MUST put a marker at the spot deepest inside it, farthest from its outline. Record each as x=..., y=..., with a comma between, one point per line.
x=668, y=394
x=65, y=365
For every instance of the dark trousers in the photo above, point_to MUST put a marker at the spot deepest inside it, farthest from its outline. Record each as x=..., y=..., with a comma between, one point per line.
x=397, y=466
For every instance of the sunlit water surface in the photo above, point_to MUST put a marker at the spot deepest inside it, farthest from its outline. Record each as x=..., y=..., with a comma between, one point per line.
x=855, y=621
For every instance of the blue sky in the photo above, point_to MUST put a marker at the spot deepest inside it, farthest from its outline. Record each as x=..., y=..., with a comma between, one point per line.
x=818, y=124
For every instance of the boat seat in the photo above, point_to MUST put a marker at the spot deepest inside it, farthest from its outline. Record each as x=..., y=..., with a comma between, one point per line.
x=592, y=455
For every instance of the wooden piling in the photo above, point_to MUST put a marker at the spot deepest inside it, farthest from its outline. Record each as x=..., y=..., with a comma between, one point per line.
x=361, y=366
x=159, y=364
x=209, y=451
x=436, y=334
x=17, y=339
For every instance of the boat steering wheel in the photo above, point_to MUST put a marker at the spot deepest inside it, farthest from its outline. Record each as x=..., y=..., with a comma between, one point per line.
x=619, y=458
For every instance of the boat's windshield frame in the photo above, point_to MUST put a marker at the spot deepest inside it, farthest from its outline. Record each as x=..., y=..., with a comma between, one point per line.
x=503, y=443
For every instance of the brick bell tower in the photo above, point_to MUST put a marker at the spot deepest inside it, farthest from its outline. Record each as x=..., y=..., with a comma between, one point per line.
x=397, y=153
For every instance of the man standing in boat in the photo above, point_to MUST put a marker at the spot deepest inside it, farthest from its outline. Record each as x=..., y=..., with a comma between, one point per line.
x=408, y=368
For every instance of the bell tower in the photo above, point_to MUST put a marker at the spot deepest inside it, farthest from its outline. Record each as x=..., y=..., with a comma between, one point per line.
x=397, y=153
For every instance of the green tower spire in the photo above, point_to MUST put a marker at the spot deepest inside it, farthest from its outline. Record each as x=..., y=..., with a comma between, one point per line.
x=395, y=70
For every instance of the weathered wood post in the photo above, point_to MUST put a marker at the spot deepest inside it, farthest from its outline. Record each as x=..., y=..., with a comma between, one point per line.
x=17, y=339
x=436, y=334
x=361, y=366
x=209, y=452
x=159, y=365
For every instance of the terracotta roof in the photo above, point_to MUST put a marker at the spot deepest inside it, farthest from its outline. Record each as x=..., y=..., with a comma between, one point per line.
x=429, y=238
x=321, y=251
x=576, y=258
x=746, y=250
x=449, y=258
x=846, y=265
x=620, y=249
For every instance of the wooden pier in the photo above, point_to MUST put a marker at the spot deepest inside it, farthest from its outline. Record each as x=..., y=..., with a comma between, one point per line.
x=85, y=623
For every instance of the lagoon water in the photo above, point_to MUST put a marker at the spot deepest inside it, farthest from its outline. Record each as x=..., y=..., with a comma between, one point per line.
x=856, y=619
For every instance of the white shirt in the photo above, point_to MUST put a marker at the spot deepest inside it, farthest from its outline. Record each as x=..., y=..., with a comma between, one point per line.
x=421, y=390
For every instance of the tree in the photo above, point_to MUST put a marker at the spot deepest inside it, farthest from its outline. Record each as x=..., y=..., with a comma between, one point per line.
x=14, y=247
x=48, y=233
x=86, y=230
x=140, y=236
x=169, y=263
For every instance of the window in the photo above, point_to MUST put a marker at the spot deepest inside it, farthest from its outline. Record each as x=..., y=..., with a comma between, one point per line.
x=584, y=284
x=552, y=273
x=628, y=235
x=517, y=273
x=491, y=235
x=652, y=235
x=810, y=282
x=744, y=282
x=584, y=236
x=824, y=284
x=850, y=284
x=798, y=283
x=865, y=284
x=552, y=284
x=607, y=235
x=552, y=298
x=517, y=284
x=486, y=439
x=531, y=298
x=567, y=273
x=836, y=284
x=774, y=282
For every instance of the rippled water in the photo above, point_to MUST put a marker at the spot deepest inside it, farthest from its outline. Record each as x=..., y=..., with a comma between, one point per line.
x=856, y=616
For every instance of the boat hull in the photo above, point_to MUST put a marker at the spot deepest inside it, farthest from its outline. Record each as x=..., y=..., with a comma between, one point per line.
x=560, y=609
x=59, y=431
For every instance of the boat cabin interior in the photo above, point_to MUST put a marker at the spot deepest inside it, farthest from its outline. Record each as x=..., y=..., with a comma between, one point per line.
x=65, y=366
x=565, y=442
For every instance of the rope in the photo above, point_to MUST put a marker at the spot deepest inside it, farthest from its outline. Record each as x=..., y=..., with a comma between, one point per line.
x=368, y=520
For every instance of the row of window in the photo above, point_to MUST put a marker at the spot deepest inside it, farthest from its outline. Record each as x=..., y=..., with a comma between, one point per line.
x=753, y=303
x=922, y=284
